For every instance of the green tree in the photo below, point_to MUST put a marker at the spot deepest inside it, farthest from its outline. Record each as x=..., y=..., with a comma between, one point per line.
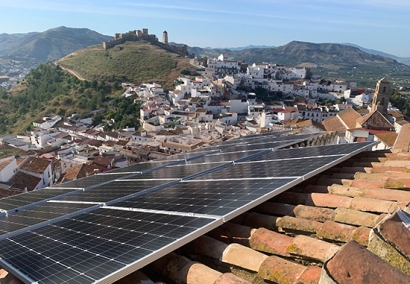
x=185, y=72
x=262, y=93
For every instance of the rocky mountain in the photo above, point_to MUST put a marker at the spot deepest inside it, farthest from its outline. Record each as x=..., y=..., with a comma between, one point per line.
x=405, y=60
x=49, y=45
x=297, y=53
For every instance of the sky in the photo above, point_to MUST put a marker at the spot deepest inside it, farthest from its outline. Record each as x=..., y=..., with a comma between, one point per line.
x=382, y=25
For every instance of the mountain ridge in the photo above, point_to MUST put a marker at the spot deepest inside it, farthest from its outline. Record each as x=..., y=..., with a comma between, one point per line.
x=49, y=45
x=58, y=42
x=405, y=60
x=298, y=52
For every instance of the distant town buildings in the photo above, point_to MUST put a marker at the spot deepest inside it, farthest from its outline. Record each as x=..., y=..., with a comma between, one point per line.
x=218, y=104
x=13, y=72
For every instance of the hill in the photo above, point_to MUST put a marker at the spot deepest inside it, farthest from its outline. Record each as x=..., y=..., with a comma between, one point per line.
x=49, y=90
x=296, y=53
x=49, y=45
x=136, y=62
x=405, y=60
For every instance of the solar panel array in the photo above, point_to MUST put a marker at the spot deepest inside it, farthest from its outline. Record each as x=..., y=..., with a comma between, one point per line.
x=101, y=228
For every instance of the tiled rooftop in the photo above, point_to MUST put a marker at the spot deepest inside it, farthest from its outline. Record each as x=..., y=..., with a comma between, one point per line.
x=22, y=181
x=349, y=117
x=342, y=226
x=334, y=124
x=35, y=165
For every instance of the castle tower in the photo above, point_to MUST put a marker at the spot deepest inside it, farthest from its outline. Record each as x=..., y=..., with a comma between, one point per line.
x=165, y=37
x=381, y=96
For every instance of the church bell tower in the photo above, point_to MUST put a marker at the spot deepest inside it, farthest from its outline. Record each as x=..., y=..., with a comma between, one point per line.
x=381, y=96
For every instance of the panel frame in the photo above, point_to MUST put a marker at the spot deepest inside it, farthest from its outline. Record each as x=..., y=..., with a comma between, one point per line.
x=28, y=206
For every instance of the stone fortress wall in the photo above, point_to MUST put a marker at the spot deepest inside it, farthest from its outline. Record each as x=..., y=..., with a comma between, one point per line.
x=120, y=38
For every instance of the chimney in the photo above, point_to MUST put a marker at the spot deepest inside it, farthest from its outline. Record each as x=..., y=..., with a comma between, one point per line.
x=262, y=121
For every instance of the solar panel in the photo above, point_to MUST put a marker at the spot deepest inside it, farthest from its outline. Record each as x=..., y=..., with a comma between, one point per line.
x=38, y=214
x=329, y=150
x=258, y=146
x=90, y=247
x=212, y=197
x=269, y=138
x=90, y=181
x=140, y=167
x=177, y=171
x=279, y=168
x=265, y=138
x=157, y=164
x=225, y=157
x=29, y=198
x=113, y=190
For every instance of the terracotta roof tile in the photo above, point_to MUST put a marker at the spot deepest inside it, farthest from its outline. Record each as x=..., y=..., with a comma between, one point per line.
x=349, y=117
x=9, y=191
x=396, y=114
x=280, y=270
x=312, y=248
x=395, y=232
x=402, y=142
x=103, y=161
x=6, y=150
x=270, y=242
x=355, y=264
x=233, y=255
x=334, y=124
x=36, y=165
x=77, y=172
x=22, y=180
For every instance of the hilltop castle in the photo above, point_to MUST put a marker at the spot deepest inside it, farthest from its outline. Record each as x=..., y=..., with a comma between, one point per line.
x=144, y=35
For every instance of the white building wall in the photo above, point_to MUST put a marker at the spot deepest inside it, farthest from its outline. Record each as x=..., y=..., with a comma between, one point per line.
x=8, y=171
x=239, y=106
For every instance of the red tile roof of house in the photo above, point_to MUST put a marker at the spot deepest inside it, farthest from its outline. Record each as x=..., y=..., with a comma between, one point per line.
x=396, y=114
x=35, y=165
x=388, y=138
x=103, y=161
x=402, y=142
x=22, y=181
x=334, y=124
x=78, y=171
x=6, y=150
x=349, y=117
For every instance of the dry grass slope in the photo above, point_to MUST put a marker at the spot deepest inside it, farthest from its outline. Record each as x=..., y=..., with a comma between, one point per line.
x=132, y=61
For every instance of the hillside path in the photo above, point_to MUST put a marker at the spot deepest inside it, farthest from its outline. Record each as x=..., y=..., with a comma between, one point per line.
x=72, y=72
